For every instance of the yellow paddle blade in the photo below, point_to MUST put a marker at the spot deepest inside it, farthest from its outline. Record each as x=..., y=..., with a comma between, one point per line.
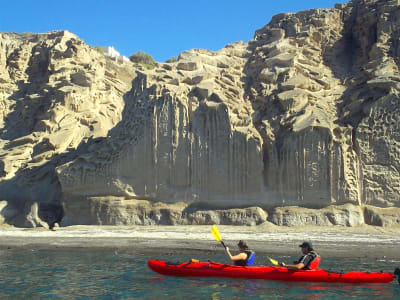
x=273, y=261
x=195, y=260
x=215, y=233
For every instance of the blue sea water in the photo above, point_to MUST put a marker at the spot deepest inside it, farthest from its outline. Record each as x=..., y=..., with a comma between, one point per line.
x=34, y=274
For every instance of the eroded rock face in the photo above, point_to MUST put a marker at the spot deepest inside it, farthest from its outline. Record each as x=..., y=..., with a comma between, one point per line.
x=56, y=93
x=345, y=215
x=120, y=211
x=385, y=217
x=316, y=79
x=192, y=141
x=305, y=114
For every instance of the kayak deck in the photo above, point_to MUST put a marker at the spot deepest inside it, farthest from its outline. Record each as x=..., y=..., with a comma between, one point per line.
x=213, y=269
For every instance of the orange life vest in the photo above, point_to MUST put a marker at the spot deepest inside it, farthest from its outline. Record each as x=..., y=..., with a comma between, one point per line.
x=313, y=265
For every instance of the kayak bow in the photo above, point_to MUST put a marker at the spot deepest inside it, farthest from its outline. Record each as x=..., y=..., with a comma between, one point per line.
x=213, y=269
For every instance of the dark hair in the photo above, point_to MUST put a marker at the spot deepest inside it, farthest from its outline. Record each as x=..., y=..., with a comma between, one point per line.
x=307, y=245
x=243, y=245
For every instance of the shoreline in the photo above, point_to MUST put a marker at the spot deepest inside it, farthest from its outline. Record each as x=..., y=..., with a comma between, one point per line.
x=362, y=241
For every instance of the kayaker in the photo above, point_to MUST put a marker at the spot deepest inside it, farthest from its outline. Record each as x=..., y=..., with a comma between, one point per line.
x=309, y=261
x=245, y=255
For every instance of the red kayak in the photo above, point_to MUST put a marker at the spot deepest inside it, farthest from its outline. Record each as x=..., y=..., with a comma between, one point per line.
x=213, y=269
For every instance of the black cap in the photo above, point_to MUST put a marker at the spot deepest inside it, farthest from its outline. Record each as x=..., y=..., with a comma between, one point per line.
x=306, y=244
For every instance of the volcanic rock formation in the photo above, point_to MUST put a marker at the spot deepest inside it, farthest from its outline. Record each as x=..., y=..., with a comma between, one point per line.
x=305, y=114
x=56, y=94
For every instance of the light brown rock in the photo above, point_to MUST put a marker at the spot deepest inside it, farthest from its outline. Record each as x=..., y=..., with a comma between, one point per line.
x=192, y=142
x=121, y=211
x=56, y=93
x=305, y=114
x=345, y=215
x=384, y=217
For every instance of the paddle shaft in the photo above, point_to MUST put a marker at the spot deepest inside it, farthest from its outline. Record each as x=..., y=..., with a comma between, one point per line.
x=223, y=244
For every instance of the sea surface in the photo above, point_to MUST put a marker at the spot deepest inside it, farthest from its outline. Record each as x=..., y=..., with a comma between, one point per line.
x=38, y=274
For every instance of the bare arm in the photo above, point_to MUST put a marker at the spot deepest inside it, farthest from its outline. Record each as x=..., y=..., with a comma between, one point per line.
x=240, y=256
x=298, y=266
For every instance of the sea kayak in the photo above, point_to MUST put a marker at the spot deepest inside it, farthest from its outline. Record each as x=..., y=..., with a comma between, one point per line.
x=213, y=269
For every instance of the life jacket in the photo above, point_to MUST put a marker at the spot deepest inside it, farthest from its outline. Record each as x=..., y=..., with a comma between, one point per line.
x=314, y=263
x=249, y=261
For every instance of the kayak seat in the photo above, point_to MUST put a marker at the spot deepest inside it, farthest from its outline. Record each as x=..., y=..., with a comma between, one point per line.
x=250, y=260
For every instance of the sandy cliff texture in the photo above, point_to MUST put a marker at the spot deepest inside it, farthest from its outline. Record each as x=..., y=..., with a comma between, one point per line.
x=324, y=85
x=56, y=95
x=305, y=114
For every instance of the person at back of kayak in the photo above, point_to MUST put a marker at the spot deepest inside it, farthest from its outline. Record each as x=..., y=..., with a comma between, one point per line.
x=245, y=255
x=309, y=261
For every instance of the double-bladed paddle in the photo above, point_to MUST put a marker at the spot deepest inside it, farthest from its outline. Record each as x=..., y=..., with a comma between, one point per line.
x=273, y=261
x=216, y=235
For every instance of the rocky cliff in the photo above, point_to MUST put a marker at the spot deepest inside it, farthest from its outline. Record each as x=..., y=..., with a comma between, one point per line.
x=57, y=95
x=305, y=114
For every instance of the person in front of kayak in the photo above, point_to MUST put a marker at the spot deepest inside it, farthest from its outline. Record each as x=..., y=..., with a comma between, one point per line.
x=309, y=261
x=245, y=257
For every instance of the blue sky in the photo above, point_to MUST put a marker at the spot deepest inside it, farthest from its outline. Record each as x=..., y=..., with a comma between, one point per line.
x=161, y=28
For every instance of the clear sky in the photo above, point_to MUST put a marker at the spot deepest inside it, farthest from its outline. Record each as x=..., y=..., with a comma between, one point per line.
x=162, y=28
